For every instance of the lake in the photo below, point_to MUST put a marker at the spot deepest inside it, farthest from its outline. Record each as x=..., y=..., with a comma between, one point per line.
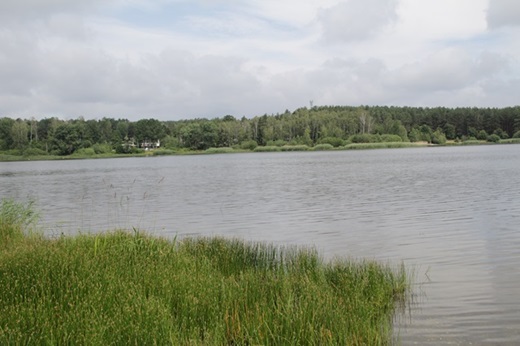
x=452, y=214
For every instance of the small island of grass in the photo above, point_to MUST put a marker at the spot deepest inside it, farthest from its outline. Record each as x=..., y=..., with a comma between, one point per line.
x=131, y=288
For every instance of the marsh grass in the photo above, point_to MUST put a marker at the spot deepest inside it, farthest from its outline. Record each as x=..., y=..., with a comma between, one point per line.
x=131, y=288
x=381, y=145
x=267, y=148
x=223, y=150
x=323, y=146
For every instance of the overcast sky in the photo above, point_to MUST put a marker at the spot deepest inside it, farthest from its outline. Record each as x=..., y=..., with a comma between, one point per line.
x=180, y=59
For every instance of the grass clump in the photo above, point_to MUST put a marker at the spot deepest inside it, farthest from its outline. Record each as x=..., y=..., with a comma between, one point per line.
x=223, y=150
x=380, y=145
x=267, y=148
x=323, y=146
x=130, y=288
x=300, y=147
x=16, y=219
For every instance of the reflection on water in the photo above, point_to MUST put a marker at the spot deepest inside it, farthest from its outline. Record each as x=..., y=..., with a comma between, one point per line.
x=452, y=214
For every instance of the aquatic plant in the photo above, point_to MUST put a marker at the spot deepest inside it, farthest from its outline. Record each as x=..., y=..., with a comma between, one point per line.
x=130, y=288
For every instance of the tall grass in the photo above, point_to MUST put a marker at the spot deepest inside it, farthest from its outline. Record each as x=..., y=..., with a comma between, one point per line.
x=130, y=288
x=16, y=219
x=380, y=145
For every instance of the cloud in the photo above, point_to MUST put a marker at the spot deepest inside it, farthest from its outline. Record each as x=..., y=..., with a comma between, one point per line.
x=208, y=59
x=502, y=13
x=356, y=19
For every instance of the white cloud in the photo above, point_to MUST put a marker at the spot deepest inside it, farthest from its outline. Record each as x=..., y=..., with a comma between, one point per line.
x=356, y=19
x=503, y=13
x=239, y=57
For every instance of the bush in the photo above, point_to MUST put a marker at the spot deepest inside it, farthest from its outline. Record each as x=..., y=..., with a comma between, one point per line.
x=391, y=138
x=438, y=137
x=248, y=145
x=301, y=147
x=85, y=152
x=324, y=146
x=34, y=152
x=482, y=135
x=493, y=138
x=277, y=143
x=223, y=150
x=516, y=134
x=334, y=141
x=102, y=148
x=365, y=138
x=161, y=152
x=267, y=148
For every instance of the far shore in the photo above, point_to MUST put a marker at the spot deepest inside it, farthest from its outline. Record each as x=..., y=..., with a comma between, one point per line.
x=8, y=157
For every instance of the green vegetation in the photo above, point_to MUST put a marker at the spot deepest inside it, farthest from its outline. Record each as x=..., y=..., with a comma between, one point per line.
x=129, y=288
x=383, y=145
x=335, y=125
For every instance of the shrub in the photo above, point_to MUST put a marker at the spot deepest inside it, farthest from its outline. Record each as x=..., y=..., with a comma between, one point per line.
x=391, y=138
x=301, y=147
x=222, y=150
x=334, y=141
x=324, y=146
x=516, y=134
x=34, y=152
x=161, y=152
x=277, y=143
x=267, y=148
x=482, y=135
x=85, y=152
x=438, y=137
x=102, y=148
x=493, y=138
x=248, y=145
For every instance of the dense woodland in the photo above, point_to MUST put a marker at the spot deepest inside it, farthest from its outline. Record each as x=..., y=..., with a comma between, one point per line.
x=335, y=125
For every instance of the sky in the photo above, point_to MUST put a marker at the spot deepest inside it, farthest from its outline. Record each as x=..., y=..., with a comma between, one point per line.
x=183, y=59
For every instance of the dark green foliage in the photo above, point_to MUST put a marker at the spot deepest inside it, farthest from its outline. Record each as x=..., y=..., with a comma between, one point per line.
x=482, y=135
x=493, y=138
x=391, y=138
x=249, y=145
x=438, y=137
x=334, y=141
x=335, y=125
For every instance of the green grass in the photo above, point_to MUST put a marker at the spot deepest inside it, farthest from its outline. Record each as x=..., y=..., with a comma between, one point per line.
x=323, y=146
x=300, y=147
x=223, y=150
x=129, y=288
x=380, y=145
x=267, y=148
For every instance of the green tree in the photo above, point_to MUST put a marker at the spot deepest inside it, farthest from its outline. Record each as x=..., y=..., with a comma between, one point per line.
x=20, y=134
x=6, y=140
x=66, y=139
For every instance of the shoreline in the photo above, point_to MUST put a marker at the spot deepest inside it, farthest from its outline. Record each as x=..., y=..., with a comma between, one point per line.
x=228, y=150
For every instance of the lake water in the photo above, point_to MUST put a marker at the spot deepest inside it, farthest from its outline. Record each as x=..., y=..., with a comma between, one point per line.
x=450, y=213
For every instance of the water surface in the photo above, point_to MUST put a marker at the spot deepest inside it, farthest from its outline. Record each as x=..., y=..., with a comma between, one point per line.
x=451, y=213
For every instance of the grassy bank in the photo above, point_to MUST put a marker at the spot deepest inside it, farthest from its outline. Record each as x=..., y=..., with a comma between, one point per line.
x=130, y=288
x=10, y=156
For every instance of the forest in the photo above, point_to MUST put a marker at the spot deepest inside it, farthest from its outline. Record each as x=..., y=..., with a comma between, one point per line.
x=325, y=125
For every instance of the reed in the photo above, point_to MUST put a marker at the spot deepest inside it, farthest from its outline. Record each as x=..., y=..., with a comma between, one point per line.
x=223, y=150
x=380, y=145
x=299, y=147
x=323, y=146
x=267, y=148
x=131, y=288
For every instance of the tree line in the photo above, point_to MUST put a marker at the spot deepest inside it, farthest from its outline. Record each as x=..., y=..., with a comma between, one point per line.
x=335, y=125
